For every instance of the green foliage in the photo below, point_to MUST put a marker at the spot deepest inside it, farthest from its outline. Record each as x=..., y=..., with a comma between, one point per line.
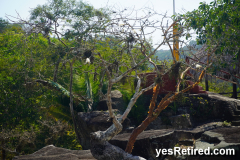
x=140, y=109
x=174, y=107
x=225, y=123
x=40, y=111
x=218, y=24
x=34, y=73
x=217, y=86
x=81, y=16
x=5, y=25
x=200, y=108
x=56, y=132
x=164, y=55
x=24, y=103
x=18, y=66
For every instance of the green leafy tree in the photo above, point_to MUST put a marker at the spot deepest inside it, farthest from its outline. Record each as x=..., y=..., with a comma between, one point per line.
x=3, y=24
x=218, y=24
x=25, y=104
x=32, y=62
x=81, y=19
x=19, y=108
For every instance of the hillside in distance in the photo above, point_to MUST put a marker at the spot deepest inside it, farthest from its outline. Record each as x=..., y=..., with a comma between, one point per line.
x=166, y=54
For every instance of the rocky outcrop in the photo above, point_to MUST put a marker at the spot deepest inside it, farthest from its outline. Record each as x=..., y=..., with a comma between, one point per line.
x=95, y=121
x=210, y=107
x=191, y=110
x=213, y=135
x=198, y=137
x=181, y=121
x=117, y=102
x=228, y=107
x=219, y=138
x=184, y=124
x=146, y=142
x=51, y=152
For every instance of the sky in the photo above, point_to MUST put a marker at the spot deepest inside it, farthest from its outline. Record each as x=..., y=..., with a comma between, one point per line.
x=23, y=7
x=10, y=7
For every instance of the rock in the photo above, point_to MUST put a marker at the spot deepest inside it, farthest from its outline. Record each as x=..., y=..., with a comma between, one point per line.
x=229, y=134
x=146, y=142
x=191, y=110
x=117, y=102
x=150, y=140
x=51, y=152
x=223, y=107
x=107, y=151
x=227, y=108
x=211, y=135
x=95, y=121
x=158, y=124
x=181, y=121
x=204, y=108
x=221, y=138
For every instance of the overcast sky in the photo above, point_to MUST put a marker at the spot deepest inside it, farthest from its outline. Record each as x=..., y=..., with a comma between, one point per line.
x=24, y=6
x=10, y=7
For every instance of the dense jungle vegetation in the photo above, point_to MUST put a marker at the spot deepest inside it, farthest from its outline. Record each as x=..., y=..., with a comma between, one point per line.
x=35, y=76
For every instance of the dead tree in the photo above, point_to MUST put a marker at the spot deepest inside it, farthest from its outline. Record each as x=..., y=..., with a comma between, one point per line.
x=123, y=28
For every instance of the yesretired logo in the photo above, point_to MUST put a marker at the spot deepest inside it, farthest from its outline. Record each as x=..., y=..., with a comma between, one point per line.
x=192, y=151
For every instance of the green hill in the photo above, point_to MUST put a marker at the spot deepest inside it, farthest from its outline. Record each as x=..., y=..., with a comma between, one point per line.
x=166, y=54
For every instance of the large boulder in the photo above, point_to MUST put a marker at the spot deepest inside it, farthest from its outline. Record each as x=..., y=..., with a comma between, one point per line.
x=117, y=102
x=198, y=109
x=51, y=152
x=190, y=110
x=207, y=107
x=226, y=108
x=181, y=121
x=158, y=124
x=220, y=138
x=89, y=122
x=148, y=141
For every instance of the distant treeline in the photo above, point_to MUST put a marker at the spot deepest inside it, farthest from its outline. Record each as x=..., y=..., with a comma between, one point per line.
x=166, y=54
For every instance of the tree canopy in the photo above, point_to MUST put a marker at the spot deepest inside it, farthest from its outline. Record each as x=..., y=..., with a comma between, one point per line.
x=218, y=24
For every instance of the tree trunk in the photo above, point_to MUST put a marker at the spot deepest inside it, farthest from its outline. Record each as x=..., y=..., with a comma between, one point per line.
x=56, y=70
x=234, y=91
x=206, y=82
